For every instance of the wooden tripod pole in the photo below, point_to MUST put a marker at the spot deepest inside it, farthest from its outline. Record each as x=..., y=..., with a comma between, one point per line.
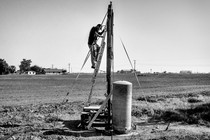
x=109, y=58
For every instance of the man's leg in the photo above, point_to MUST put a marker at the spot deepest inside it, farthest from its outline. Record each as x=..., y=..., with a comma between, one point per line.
x=97, y=51
x=92, y=55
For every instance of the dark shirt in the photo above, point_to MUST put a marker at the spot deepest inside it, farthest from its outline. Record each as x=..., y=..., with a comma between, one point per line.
x=93, y=35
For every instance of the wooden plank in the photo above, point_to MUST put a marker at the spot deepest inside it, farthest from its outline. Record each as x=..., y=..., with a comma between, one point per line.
x=99, y=111
x=88, y=108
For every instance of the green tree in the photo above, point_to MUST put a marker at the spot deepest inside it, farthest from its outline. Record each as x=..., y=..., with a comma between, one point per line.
x=25, y=65
x=4, y=67
x=12, y=69
x=37, y=69
x=64, y=71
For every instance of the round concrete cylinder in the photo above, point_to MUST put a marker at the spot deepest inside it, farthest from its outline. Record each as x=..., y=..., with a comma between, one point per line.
x=121, y=106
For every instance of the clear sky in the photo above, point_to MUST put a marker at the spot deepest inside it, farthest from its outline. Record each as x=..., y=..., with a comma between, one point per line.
x=161, y=35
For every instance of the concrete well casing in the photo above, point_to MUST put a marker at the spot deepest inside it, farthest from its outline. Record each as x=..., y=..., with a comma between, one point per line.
x=122, y=106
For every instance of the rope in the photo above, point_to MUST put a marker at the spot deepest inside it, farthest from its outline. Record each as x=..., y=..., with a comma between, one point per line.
x=83, y=64
x=104, y=18
x=66, y=100
x=152, y=111
x=130, y=63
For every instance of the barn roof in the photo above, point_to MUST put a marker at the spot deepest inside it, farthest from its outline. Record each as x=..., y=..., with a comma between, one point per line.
x=49, y=70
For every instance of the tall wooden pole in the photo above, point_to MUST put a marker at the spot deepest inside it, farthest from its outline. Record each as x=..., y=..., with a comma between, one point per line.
x=109, y=57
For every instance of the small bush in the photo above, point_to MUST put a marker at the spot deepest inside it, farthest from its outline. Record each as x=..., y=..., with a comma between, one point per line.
x=138, y=112
x=50, y=119
x=150, y=99
x=194, y=100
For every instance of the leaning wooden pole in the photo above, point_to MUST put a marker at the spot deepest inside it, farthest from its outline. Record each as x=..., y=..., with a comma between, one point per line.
x=109, y=58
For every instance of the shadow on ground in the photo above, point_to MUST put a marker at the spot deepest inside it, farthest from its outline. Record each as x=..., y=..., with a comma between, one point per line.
x=71, y=129
x=194, y=115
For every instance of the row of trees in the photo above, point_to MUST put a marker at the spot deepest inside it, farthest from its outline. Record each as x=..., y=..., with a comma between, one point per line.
x=5, y=68
x=25, y=65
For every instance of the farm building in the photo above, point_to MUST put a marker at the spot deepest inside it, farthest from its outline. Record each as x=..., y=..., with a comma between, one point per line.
x=185, y=72
x=55, y=71
x=31, y=72
x=128, y=71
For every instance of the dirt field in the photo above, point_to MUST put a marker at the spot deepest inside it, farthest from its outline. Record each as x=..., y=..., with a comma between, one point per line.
x=48, y=107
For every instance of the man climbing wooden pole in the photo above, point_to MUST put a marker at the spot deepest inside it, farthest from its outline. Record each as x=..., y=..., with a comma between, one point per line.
x=101, y=115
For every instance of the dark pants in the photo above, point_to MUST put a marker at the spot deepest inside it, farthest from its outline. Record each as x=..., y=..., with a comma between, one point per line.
x=94, y=49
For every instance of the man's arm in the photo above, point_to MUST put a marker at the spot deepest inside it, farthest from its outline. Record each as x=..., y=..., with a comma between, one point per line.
x=99, y=34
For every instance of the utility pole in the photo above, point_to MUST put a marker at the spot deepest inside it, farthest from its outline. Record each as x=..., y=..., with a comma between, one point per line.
x=69, y=67
x=134, y=65
x=109, y=58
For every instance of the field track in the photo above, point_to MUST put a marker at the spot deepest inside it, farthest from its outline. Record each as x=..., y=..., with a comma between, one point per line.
x=26, y=89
